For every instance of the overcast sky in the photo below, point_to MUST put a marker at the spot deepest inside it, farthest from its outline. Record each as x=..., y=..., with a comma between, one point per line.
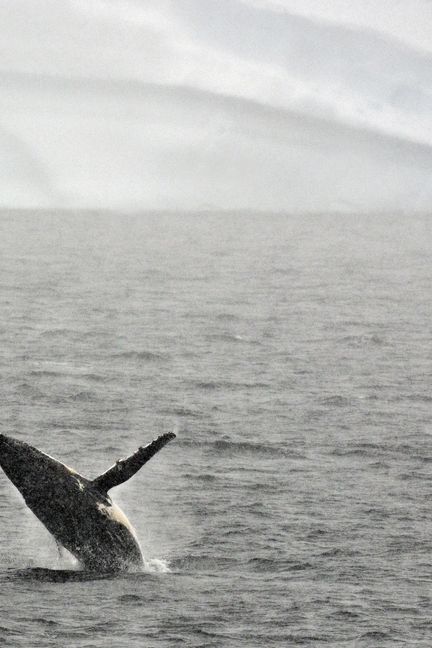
x=190, y=104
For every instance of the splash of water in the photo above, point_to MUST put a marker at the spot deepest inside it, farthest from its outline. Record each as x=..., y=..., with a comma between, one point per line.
x=156, y=566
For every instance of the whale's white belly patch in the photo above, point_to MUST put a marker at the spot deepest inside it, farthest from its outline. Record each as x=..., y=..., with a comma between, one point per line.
x=114, y=513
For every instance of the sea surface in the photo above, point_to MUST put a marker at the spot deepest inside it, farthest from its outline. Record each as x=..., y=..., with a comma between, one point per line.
x=292, y=355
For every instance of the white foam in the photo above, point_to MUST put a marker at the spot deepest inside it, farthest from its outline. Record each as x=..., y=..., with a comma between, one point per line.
x=156, y=566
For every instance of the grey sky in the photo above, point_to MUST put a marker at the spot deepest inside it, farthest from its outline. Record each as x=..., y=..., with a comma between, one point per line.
x=263, y=104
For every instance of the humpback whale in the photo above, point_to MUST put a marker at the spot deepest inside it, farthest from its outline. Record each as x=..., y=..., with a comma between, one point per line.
x=78, y=511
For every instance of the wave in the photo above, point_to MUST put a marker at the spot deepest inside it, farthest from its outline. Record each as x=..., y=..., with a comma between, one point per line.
x=359, y=449
x=258, y=564
x=205, y=477
x=377, y=635
x=314, y=533
x=58, y=332
x=336, y=401
x=148, y=356
x=93, y=377
x=211, y=385
x=194, y=562
x=421, y=398
x=4, y=632
x=46, y=373
x=88, y=425
x=227, y=317
x=228, y=446
x=131, y=599
x=248, y=447
x=343, y=615
x=182, y=412
x=55, y=373
x=83, y=396
x=363, y=340
x=232, y=337
x=334, y=553
x=27, y=390
x=43, y=621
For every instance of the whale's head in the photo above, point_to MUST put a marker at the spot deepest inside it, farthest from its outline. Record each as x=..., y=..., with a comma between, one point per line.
x=18, y=461
x=26, y=466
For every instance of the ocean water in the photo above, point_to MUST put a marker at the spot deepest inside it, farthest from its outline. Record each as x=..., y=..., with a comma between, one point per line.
x=292, y=356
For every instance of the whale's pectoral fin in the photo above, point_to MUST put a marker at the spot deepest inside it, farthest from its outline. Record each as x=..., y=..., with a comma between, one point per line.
x=124, y=469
